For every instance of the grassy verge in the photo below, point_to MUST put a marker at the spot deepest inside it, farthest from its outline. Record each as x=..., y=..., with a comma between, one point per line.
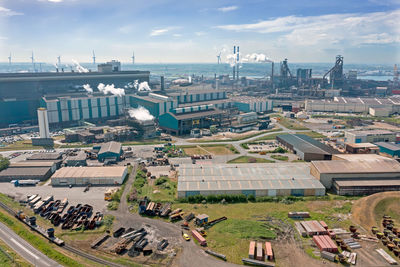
x=387, y=206
x=116, y=197
x=312, y=134
x=247, y=159
x=24, y=145
x=280, y=157
x=8, y=257
x=165, y=191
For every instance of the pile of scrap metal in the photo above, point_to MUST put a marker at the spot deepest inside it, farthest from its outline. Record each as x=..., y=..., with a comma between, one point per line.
x=154, y=208
x=138, y=240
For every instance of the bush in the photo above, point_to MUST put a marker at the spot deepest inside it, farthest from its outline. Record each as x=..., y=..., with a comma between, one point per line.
x=161, y=180
x=244, y=145
x=4, y=163
x=113, y=205
x=279, y=150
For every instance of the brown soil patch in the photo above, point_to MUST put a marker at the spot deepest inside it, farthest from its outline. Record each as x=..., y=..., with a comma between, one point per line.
x=363, y=209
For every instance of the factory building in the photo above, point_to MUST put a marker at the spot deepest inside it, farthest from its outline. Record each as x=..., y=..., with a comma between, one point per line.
x=389, y=148
x=110, y=151
x=360, y=174
x=183, y=120
x=306, y=147
x=25, y=173
x=362, y=148
x=255, y=104
x=71, y=109
x=369, y=136
x=353, y=105
x=21, y=92
x=156, y=104
x=192, y=96
x=249, y=179
x=82, y=176
x=78, y=159
x=53, y=165
x=45, y=156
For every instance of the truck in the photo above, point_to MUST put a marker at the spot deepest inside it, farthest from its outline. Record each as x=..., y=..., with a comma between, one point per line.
x=109, y=193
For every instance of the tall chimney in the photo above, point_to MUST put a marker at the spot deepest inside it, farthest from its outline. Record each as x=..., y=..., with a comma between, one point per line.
x=162, y=83
x=237, y=64
x=272, y=75
x=234, y=60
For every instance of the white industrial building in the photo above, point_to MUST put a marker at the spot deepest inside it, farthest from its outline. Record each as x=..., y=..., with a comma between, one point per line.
x=69, y=109
x=369, y=136
x=270, y=179
x=82, y=176
x=353, y=105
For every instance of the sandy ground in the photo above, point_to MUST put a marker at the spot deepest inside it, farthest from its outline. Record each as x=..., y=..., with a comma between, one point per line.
x=386, y=126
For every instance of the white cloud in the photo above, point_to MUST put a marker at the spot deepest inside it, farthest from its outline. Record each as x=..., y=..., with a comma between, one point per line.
x=8, y=12
x=177, y=35
x=227, y=8
x=162, y=31
x=200, y=33
x=369, y=28
x=157, y=32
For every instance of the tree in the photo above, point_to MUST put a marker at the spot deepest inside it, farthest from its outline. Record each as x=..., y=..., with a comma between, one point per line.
x=4, y=163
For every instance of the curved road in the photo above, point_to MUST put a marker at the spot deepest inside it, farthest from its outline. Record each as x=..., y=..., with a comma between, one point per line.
x=23, y=248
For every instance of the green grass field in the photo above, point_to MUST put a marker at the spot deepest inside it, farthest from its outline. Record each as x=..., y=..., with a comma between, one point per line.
x=9, y=257
x=280, y=157
x=291, y=124
x=387, y=206
x=247, y=159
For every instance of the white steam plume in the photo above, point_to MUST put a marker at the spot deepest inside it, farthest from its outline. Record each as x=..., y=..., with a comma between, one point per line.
x=78, y=67
x=144, y=86
x=109, y=88
x=257, y=58
x=88, y=88
x=140, y=113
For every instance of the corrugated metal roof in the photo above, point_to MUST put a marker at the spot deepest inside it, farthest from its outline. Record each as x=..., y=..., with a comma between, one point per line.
x=19, y=172
x=31, y=163
x=45, y=156
x=307, y=144
x=246, y=177
x=112, y=146
x=379, y=165
x=389, y=145
x=90, y=172
x=198, y=114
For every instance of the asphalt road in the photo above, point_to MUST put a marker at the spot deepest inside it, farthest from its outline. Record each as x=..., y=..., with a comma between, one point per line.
x=24, y=249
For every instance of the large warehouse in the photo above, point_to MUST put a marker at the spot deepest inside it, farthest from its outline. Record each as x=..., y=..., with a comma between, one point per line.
x=272, y=179
x=306, y=147
x=25, y=173
x=359, y=174
x=82, y=176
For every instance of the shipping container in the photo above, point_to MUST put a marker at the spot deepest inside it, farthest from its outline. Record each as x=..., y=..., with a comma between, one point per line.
x=323, y=224
x=269, y=254
x=252, y=250
x=199, y=238
x=329, y=256
x=260, y=252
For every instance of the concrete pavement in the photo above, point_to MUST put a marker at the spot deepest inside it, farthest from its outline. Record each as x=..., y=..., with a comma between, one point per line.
x=24, y=249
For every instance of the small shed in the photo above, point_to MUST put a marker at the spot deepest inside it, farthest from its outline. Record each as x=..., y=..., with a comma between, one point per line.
x=201, y=219
x=110, y=151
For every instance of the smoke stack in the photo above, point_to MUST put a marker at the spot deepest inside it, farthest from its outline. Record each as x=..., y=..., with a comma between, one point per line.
x=162, y=83
x=237, y=64
x=272, y=75
x=234, y=66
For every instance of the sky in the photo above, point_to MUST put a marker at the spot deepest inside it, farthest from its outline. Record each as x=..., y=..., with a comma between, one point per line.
x=191, y=31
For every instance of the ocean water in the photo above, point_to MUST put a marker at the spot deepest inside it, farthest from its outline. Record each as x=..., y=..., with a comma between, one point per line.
x=255, y=70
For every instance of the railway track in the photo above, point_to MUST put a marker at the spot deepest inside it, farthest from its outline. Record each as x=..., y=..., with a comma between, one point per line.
x=68, y=247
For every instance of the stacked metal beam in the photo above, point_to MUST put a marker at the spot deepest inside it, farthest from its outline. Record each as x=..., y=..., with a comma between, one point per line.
x=325, y=243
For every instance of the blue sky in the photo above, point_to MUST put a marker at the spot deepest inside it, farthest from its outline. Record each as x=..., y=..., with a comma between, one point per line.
x=161, y=31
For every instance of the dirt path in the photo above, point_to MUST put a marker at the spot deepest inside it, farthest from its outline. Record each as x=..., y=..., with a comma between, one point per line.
x=363, y=209
x=123, y=205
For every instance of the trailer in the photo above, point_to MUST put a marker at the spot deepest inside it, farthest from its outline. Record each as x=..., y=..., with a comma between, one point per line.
x=260, y=256
x=328, y=255
x=269, y=254
x=119, y=232
x=213, y=222
x=258, y=263
x=99, y=241
x=34, y=201
x=199, y=238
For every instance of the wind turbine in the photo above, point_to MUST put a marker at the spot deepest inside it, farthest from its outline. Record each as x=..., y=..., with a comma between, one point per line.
x=59, y=61
x=9, y=59
x=33, y=62
x=133, y=57
x=219, y=57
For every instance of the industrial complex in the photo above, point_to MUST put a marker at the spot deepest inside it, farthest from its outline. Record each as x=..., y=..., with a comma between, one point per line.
x=269, y=158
